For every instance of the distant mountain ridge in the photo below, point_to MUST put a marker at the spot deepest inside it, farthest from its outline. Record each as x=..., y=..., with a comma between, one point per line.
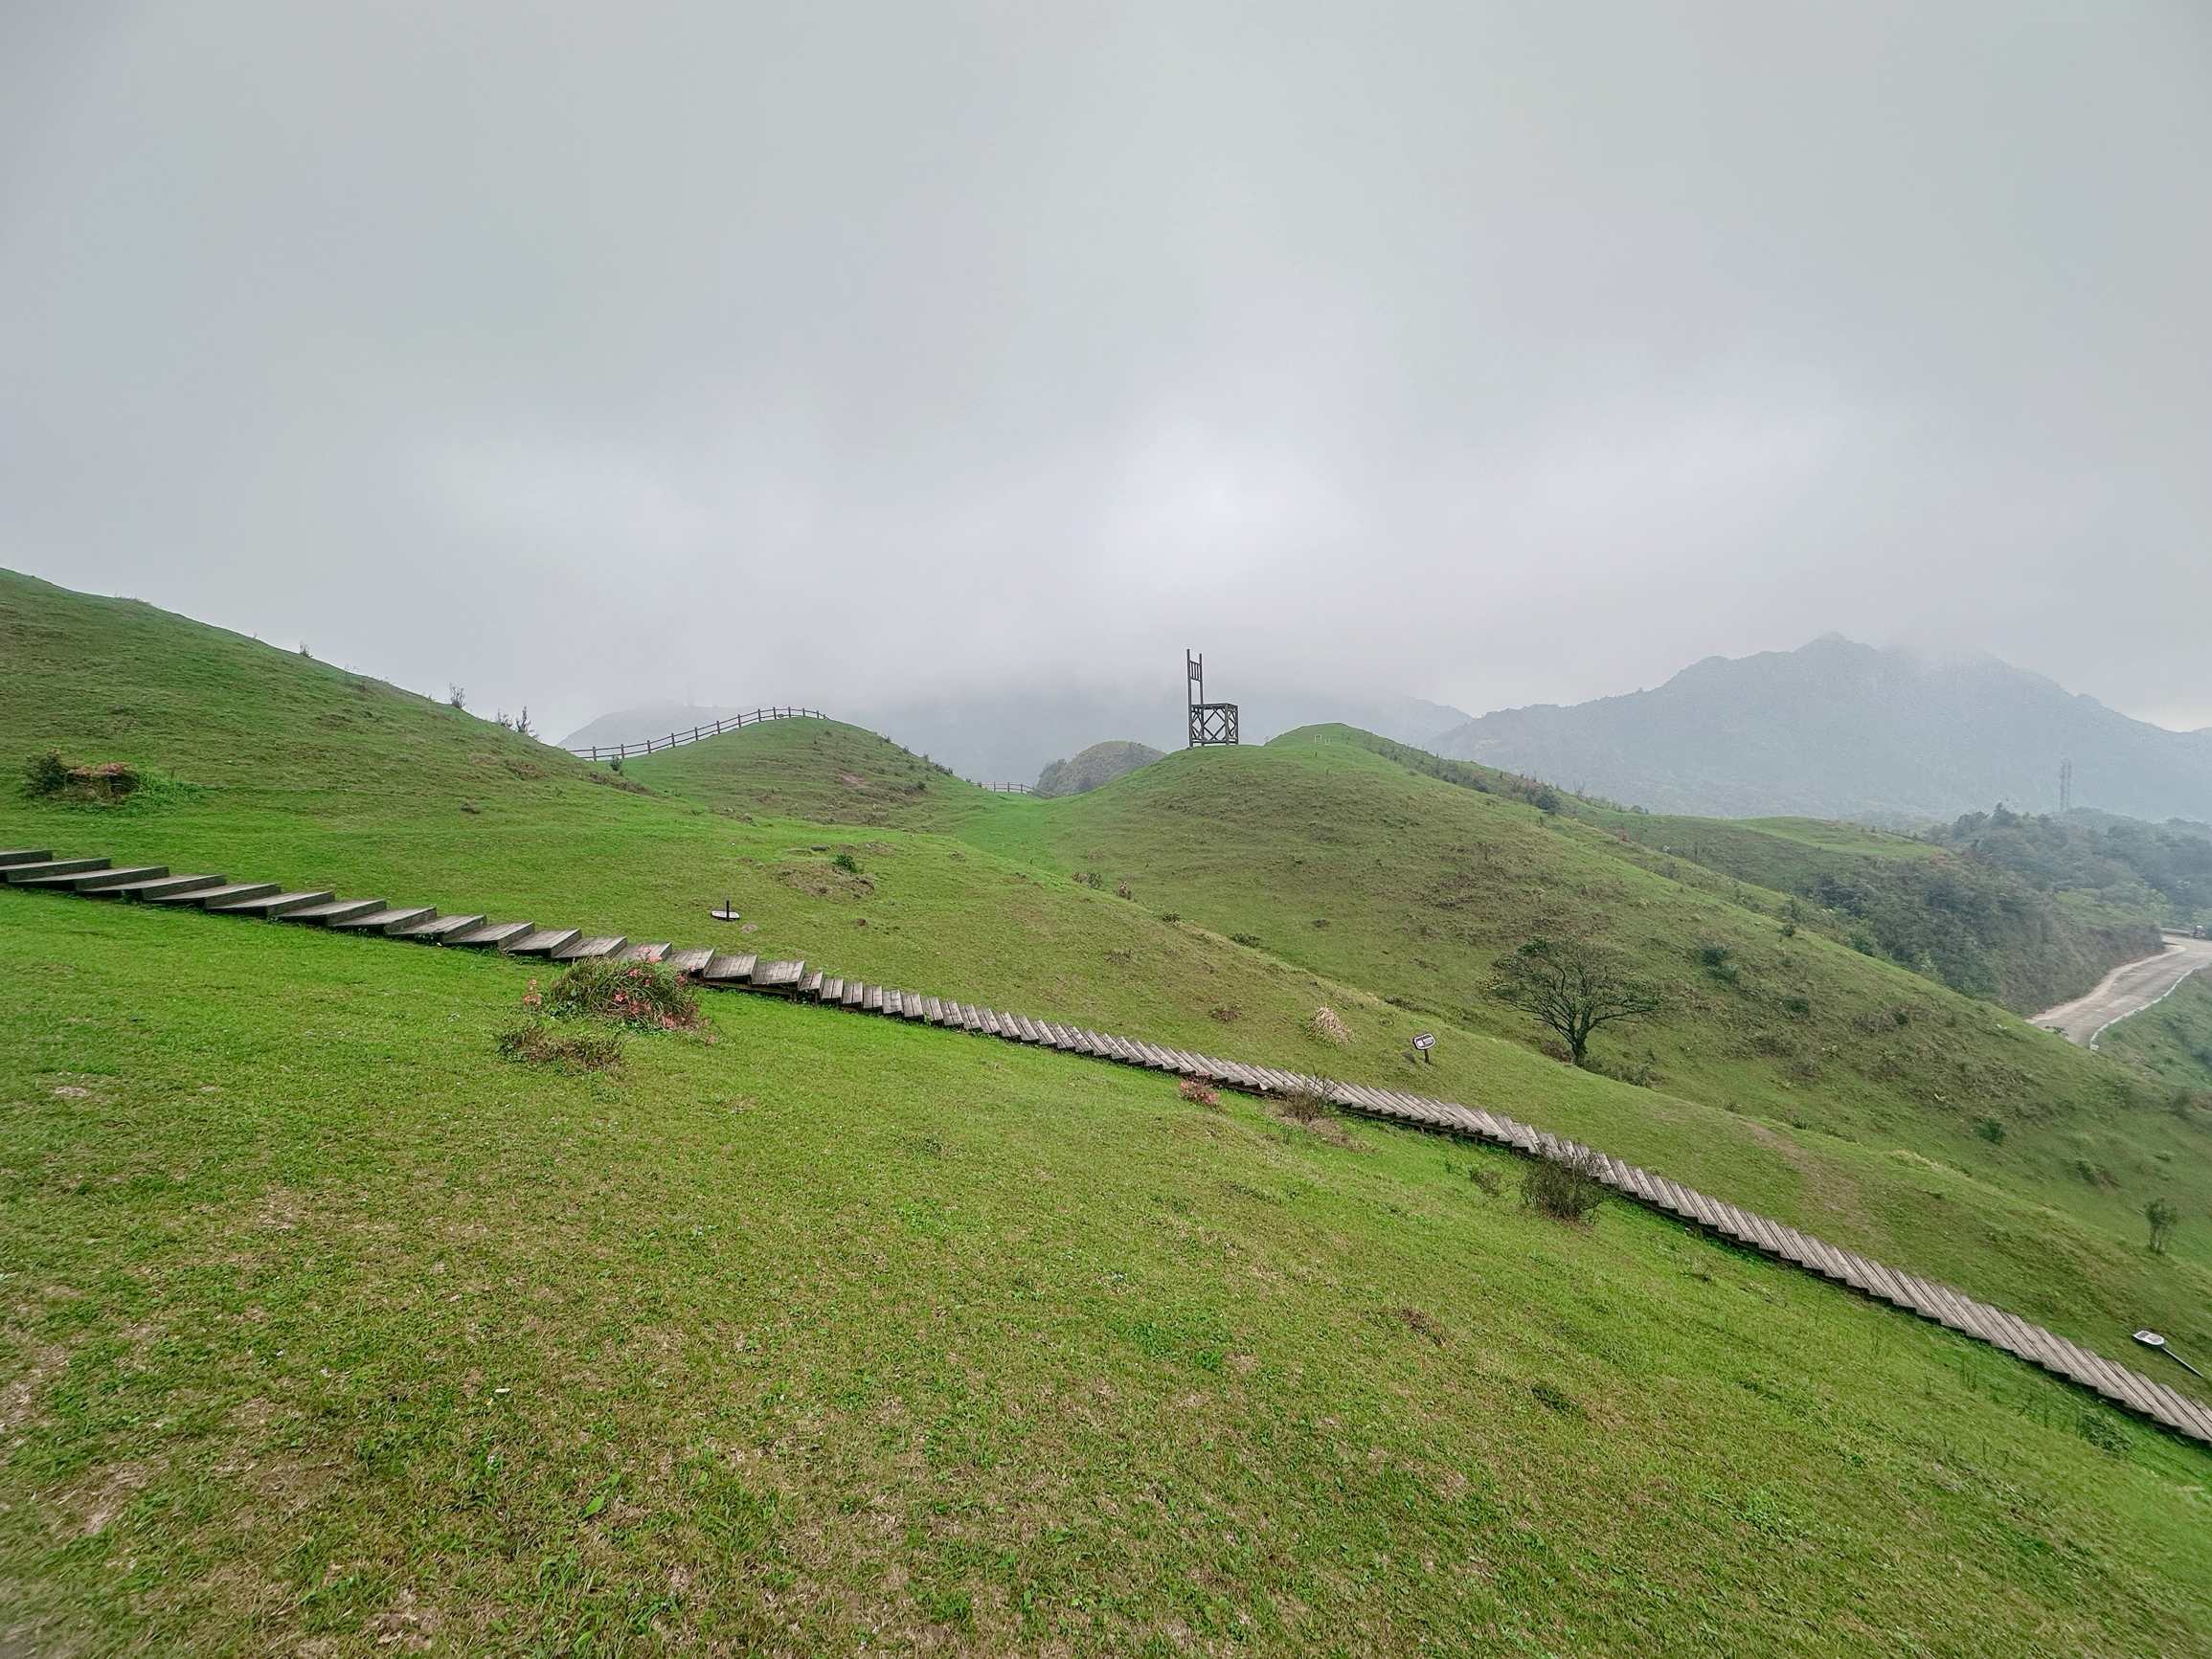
x=1838, y=730
x=1012, y=736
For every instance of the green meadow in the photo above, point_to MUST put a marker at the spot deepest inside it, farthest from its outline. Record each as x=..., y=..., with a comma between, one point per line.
x=330, y=1331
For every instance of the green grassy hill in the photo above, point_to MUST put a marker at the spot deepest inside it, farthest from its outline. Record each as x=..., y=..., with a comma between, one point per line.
x=884, y=1331
x=1948, y=914
x=821, y=771
x=2171, y=1041
x=328, y=1330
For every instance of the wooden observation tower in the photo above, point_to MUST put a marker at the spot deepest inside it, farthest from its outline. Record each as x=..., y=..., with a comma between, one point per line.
x=1211, y=722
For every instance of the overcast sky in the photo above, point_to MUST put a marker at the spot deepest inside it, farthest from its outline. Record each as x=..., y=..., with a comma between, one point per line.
x=1493, y=354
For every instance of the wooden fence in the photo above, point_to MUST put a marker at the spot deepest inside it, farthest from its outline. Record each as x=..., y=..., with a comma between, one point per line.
x=654, y=745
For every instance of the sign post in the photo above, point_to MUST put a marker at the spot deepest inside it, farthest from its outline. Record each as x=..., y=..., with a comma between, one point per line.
x=2152, y=1339
x=1424, y=1042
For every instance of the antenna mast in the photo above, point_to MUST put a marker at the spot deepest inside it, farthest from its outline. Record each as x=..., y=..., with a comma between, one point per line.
x=2066, y=787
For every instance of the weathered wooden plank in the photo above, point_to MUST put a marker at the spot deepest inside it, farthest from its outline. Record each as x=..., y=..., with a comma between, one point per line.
x=261, y=906
x=783, y=976
x=223, y=895
x=17, y=874
x=589, y=950
x=729, y=970
x=1764, y=1235
x=167, y=885
x=692, y=961
x=811, y=985
x=645, y=953
x=439, y=928
x=493, y=936
x=333, y=910
x=26, y=856
x=95, y=882
x=1919, y=1298
x=871, y=1000
x=544, y=942
x=384, y=921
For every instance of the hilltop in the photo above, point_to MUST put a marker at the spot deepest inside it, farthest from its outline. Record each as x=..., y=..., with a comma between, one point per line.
x=1842, y=730
x=1100, y=763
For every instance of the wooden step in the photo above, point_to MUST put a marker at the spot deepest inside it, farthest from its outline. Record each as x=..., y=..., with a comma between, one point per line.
x=499, y=936
x=643, y=952
x=693, y=961
x=386, y=919
x=17, y=874
x=589, y=950
x=90, y=881
x=545, y=941
x=164, y=887
x=267, y=906
x=222, y=895
x=25, y=856
x=331, y=912
x=728, y=970
x=440, y=929
x=811, y=985
x=782, y=976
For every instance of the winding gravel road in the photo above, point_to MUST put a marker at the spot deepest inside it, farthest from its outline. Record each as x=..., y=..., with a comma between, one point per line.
x=2128, y=988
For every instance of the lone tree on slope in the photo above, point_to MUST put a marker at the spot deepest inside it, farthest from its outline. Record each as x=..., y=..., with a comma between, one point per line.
x=1573, y=986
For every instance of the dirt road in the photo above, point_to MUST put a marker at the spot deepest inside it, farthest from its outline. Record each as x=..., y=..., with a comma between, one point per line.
x=2128, y=988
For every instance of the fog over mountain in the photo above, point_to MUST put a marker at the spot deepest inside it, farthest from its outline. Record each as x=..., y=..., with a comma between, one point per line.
x=1838, y=729
x=901, y=359
x=1010, y=738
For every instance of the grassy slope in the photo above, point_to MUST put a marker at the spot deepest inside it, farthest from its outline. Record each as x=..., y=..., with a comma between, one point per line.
x=2171, y=1041
x=307, y=774
x=821, y=771
x=326, y=1327
x=1850, y=1122
x=312, y=776
x=2023, y=950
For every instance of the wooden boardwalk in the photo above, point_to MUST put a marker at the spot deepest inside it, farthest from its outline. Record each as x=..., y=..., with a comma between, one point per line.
x=270, y=901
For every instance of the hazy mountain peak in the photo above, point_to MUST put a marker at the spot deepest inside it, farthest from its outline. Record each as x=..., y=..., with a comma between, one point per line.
x=1837, y=728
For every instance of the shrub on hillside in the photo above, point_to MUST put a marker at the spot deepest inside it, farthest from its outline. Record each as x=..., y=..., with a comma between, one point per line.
x=1199, y=1091
x=643, y=996
x=1309, y=1104
x=1565, y=1189
x=1329, y=1028
x=2161, y=1215
x=48, y=776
